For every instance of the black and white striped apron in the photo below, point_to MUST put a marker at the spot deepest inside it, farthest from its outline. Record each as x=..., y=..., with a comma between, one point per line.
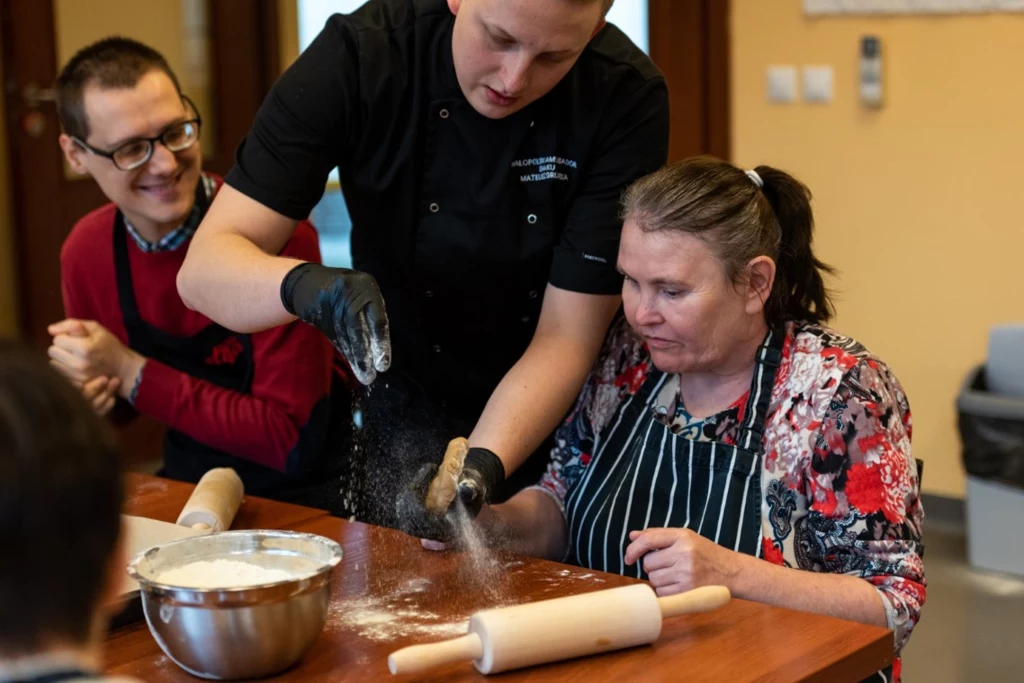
x=643, y=475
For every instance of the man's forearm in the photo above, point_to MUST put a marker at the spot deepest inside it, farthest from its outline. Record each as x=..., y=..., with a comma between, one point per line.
x=531, y=399
x=836, y=595
x=233, y=282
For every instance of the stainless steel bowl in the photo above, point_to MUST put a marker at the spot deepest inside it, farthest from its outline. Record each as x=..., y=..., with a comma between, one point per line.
x=229, y=633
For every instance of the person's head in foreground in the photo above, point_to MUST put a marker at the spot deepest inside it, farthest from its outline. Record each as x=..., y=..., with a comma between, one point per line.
x=60, y=505
x=725, y=435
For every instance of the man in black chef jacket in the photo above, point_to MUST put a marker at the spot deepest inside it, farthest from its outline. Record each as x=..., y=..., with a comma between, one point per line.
x=482, y=146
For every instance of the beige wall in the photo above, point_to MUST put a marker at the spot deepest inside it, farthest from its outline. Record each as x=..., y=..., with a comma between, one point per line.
x=918, y=203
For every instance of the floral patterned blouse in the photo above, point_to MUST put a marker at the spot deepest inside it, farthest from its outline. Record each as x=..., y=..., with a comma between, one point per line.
x=839, y=484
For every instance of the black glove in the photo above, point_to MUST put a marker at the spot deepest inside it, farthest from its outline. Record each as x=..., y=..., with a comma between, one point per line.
x=482, y=472
x=346, y=305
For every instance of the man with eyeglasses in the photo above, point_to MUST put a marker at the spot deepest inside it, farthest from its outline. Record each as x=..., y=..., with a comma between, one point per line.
x=260, y=403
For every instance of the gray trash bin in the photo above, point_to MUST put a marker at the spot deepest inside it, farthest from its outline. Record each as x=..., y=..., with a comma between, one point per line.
x=992, y=434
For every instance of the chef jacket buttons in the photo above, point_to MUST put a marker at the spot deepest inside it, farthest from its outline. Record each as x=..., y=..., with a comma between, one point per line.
x=429, y=294
x=531, y=219
x=434, y=208
x=437, y=348
x=526, y=318
x=443, y=113
x=533, y=294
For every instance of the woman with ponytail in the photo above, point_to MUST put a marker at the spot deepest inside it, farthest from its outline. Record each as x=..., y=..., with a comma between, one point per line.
x=726, y=435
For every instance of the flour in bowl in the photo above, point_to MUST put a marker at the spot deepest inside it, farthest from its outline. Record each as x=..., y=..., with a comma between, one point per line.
x=222, y=574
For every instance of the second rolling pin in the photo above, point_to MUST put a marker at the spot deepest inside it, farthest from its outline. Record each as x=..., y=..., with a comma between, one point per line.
x=550, y=630
x=214, y=502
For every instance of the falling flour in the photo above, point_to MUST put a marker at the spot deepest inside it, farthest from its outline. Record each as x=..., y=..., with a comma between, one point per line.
x=222, y=574
x=485, y=568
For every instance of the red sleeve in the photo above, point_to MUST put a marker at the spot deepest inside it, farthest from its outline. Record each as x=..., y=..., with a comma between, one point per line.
x=293, y=371
x=73, y=305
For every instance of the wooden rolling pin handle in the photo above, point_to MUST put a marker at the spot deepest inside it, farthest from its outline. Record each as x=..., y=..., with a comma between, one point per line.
x=215, y=500
x=419, y=658
x=201, y=526
x=702, y=599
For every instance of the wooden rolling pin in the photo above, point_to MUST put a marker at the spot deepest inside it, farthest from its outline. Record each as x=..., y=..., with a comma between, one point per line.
x=214, y=502
x=550, y=630
x=446, y=482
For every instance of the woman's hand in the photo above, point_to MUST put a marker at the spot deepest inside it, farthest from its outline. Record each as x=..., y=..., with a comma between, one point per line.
x=678, y=560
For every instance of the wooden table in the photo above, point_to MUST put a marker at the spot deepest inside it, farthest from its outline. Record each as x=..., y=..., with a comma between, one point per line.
x=389, y=592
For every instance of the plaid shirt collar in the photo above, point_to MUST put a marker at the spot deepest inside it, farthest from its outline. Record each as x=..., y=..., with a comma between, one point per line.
x=177, y=237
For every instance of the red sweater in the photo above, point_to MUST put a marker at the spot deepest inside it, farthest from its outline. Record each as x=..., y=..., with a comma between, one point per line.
x=293, y=364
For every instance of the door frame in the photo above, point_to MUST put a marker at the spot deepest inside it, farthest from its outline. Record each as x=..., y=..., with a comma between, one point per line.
x=689, y=42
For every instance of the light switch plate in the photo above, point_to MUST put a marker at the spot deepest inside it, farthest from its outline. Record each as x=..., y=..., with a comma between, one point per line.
x=953, y=6
x=781, y=84
x=812, y=7
x=878, y=6
x=817, y=84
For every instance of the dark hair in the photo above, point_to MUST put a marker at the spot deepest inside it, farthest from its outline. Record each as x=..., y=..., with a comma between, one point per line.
x=740, y=221
x=113, y=62
x=60, y=506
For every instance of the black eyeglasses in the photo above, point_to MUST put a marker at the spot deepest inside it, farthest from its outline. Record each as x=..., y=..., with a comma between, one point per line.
x=135, y=153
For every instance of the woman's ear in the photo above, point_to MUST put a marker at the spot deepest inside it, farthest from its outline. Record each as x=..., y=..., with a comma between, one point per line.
x=760, y=278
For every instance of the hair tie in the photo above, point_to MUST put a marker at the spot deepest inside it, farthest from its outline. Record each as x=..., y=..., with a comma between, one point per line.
x=753, y=175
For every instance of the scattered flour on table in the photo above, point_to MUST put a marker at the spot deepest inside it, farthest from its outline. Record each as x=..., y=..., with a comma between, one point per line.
x=389, y=617
x=221, y=574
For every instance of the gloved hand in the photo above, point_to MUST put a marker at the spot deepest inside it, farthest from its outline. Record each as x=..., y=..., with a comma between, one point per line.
x=346, y=305
x=413, y=516
x=482, y=472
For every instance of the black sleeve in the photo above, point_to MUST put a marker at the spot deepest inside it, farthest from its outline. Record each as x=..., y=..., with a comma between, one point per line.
x=301, y=128
x=634, y=143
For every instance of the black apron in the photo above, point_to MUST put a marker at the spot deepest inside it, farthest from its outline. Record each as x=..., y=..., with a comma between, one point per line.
x=643, y=475
x=225, y=358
